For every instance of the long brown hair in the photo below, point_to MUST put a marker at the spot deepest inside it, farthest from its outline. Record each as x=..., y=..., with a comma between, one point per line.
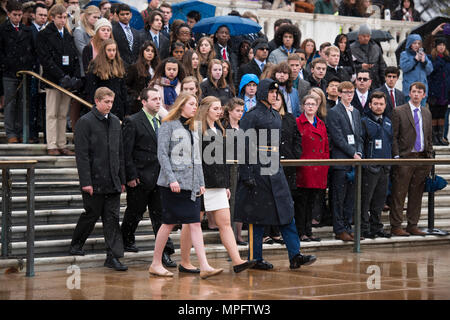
x=202, y=113
x=211, y=54
x=434, y=53
x=187, y=63
x=229, y=78
x=221, y=83
x=230, y=106
x=96, y=41
x=175, y=111
x=197, y=85
x=141, y=64
x=105, y=69
x=322, y=111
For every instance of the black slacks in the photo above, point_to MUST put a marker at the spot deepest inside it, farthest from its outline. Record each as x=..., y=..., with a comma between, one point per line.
x=106, y=206
x=138, y=200
x=373, y=196
x=305, y=200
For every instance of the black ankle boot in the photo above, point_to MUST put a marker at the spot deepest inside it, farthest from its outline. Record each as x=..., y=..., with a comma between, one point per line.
x=441, y=136
x=436, y=141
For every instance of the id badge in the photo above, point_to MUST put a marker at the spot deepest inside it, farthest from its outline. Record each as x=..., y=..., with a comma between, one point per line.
x=351, y=139
x=65, y=60
x=378, y=144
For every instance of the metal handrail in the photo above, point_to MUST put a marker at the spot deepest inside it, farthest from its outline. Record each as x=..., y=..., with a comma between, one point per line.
x=25, y=98
x=7, y=209
x=358, y=163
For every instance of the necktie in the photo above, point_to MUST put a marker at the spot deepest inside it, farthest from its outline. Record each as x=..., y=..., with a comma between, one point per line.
x=155, y=40
x=262, y=66
x=417, y=144
x=155, y=125
x=62, y=34
x=363, y=101
x=380, y=120
x=224, y=54
x=392, y=98
x=17, y=29
x=129, y=36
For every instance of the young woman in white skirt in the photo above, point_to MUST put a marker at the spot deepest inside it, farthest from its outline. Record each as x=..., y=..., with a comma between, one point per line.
x=217, y=176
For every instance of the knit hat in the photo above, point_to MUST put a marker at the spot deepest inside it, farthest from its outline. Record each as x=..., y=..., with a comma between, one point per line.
x=102, y=22
x=440, y=40
x=364, y=29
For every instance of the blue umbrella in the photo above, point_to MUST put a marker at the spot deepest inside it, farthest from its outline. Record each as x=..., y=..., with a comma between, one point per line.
x=136, y=21
x=235, y=24
x=181, y=9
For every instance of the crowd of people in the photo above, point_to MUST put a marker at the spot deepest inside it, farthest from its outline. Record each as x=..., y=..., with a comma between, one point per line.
x=151, y=89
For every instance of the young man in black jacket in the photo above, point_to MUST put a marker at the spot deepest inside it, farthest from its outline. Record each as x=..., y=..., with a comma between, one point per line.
x=59, y=58
x=101, y=168
x=16, y=53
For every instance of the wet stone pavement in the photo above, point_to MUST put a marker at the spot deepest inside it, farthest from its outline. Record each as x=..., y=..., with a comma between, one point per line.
x=416, y=273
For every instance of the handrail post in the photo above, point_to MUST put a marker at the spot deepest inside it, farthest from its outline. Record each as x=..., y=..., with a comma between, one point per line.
x=357, y=215
x=25, y=110
x=6, y=212
x=30, y=222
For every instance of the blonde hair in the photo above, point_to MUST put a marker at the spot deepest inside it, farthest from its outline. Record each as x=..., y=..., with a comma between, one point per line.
x=190, y=79
x=202, y=113
x=105, y=69
x=322, y=111
x=175, y=111
x=84, y=19
x=102, y=92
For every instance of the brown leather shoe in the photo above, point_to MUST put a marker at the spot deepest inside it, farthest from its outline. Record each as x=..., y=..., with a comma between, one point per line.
x=66, y=152
x=13, y=140
x=344, y=236
x=352, y=235
x=415, y=231
x=399, y=232
x=53, y=152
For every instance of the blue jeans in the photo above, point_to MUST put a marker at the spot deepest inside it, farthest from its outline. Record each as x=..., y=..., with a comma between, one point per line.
x=290, y=237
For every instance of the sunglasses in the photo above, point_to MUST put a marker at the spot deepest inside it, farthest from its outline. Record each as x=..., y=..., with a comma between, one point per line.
x=363, y=79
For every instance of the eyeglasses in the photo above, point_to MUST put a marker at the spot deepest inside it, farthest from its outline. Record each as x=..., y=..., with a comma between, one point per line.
x=310, y=104
x=185, y=33
x=265, y=49
x=363, y=79
x=348, y=92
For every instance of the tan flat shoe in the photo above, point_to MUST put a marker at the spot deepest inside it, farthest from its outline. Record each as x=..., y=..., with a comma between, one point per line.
x=207, y=274
x=166, y=273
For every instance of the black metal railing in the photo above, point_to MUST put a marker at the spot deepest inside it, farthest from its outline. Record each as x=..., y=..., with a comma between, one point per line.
x=358, y=164
x=6, y=233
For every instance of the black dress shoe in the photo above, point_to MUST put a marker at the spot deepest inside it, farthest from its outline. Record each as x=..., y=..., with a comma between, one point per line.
x=262, y=265
x=167, y=262
x=131, y=248
x=241, y=243
x=300, y=260
x=76, y=251
x=368, y=235
x=279, y=240
x=382, y=234
x=241, y=267
x=115, y=264
x=185, y=270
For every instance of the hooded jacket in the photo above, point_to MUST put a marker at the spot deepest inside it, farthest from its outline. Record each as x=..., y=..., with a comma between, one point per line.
x=246, y=79
x=413, y=70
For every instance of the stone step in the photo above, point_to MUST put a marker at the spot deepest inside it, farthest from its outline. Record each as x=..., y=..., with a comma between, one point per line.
x=217, y=251
x=45, y=161
x=46, y=174
x=20, y=149
x=46, y=188
x=3, y=138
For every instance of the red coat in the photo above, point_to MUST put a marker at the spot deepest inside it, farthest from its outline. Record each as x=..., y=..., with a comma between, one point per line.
x=314, y=146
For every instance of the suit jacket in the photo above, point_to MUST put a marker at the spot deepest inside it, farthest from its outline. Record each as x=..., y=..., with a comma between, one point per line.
x=303, y=89
x=405, y=132
x=140, y=149
x=251, y=67
x=340, y=130
x=363, y=110
x=399, y=100
x=232, y=57
x=128, y=56
x=164, y=43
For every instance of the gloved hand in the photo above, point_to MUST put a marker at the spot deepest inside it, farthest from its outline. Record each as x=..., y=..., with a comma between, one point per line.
x=76, y=84
x=249, y=183
x=65, y=82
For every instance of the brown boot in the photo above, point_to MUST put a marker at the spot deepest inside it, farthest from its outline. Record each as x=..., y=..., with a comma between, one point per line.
x=399, y=232
x=415, y=231
x=13, y=140
x=344, y=236
x=53, y=152
x=66, y=152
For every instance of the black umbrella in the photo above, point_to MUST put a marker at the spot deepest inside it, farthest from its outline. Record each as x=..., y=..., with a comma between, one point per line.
x=377, y=35
x=424, y=30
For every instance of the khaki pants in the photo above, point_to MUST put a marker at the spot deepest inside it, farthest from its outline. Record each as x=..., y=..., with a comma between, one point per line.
x=57, y=107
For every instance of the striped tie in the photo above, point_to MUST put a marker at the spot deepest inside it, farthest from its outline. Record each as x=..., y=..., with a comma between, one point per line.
x=129, y=37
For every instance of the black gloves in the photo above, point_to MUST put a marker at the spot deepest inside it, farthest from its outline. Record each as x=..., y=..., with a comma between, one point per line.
x=65, y=82
x=77, y=84
x=249, y=183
